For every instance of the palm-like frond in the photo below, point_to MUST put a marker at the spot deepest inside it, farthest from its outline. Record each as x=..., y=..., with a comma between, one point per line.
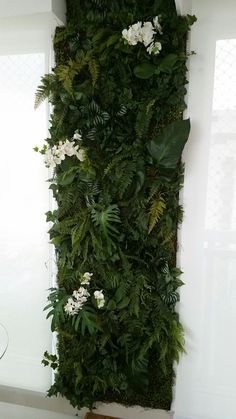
x=157, y=209
x=44, y=90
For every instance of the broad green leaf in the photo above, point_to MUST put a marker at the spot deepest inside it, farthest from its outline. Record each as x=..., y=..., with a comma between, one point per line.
x=111, y=305
x=66, y=178
x=124, y=303
x=113, y=39
x=119, y=295
x=167, y=63
x=144, y=70
x=56, y=240
x=167, y=148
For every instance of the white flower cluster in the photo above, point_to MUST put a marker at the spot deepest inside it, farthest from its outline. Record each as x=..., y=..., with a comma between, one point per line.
x=144, y=33
x=79, y=297
x=76, y=302
x=54, y=155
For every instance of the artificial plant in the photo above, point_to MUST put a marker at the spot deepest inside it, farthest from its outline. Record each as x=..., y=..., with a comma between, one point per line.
x=116, y=138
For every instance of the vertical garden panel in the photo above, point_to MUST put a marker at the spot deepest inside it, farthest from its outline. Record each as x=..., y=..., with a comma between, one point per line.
x=116, y=141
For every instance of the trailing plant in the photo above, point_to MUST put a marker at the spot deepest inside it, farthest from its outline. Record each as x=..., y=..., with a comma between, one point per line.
x=115, y=145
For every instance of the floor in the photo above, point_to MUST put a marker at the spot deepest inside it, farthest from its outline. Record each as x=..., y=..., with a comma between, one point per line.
x=11, y=411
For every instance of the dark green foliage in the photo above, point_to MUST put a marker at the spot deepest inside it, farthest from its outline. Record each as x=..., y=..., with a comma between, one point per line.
x=118, y=210
x=167, y=148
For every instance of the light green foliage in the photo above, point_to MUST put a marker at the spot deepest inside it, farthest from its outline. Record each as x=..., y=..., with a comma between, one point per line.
x=44, y=90
x=156, y=210
x=117, y=211
x=67, y=72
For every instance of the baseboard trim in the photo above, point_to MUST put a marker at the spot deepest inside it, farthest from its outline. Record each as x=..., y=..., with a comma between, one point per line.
x=39, y=400
x=36, y=400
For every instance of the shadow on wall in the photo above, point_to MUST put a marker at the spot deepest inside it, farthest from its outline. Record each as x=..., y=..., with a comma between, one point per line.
x=4, y=340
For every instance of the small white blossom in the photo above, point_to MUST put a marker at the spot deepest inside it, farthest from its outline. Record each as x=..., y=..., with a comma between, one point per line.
x=100, y=303
x=81, y=292
x=69, y=148
x=77, y=136
x=100, y=299
x=87, y=275
x=157, y=25
x=72, y=307
x=154, y=48
x=86, y=278
x=80, y=155
x=49, y=159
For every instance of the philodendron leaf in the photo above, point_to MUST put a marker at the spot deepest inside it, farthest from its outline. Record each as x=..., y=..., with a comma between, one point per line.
x=144, y=70
x=167, y=148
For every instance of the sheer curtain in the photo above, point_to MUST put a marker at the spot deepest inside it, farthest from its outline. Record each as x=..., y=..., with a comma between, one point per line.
x=206, y=383
x=24, y=249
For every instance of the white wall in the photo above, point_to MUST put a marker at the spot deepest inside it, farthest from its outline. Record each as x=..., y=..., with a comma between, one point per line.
x=206, y=383
x=10, y=8
x=183, y=7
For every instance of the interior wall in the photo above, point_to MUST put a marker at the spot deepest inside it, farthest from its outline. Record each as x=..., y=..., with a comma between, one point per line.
x=205, y=387
x=28, y=7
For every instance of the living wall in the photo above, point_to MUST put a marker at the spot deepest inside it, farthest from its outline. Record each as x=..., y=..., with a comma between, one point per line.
x=115, y=147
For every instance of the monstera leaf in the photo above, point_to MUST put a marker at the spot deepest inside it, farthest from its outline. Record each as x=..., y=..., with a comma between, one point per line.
x=167, y=148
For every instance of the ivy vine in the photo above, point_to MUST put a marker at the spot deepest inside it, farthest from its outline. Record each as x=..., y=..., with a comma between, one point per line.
x=118, y=207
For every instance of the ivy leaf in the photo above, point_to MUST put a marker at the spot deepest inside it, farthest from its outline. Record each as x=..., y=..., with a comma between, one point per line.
x=167, y=148
x=144, y=70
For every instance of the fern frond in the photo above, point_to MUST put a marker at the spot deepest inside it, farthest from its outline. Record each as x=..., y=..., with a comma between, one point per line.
x=81, y=60
x=93, y=69
x=66, y=74
x=144, y=118
x=44, y=90
x=157, y=209
x=154, y=190
x=67, y=203
x=166, y=235
x=61, y=118
x=78, y=233
x=96, y=243
x=115, y=161
x=64, y=227
x=127, y=172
